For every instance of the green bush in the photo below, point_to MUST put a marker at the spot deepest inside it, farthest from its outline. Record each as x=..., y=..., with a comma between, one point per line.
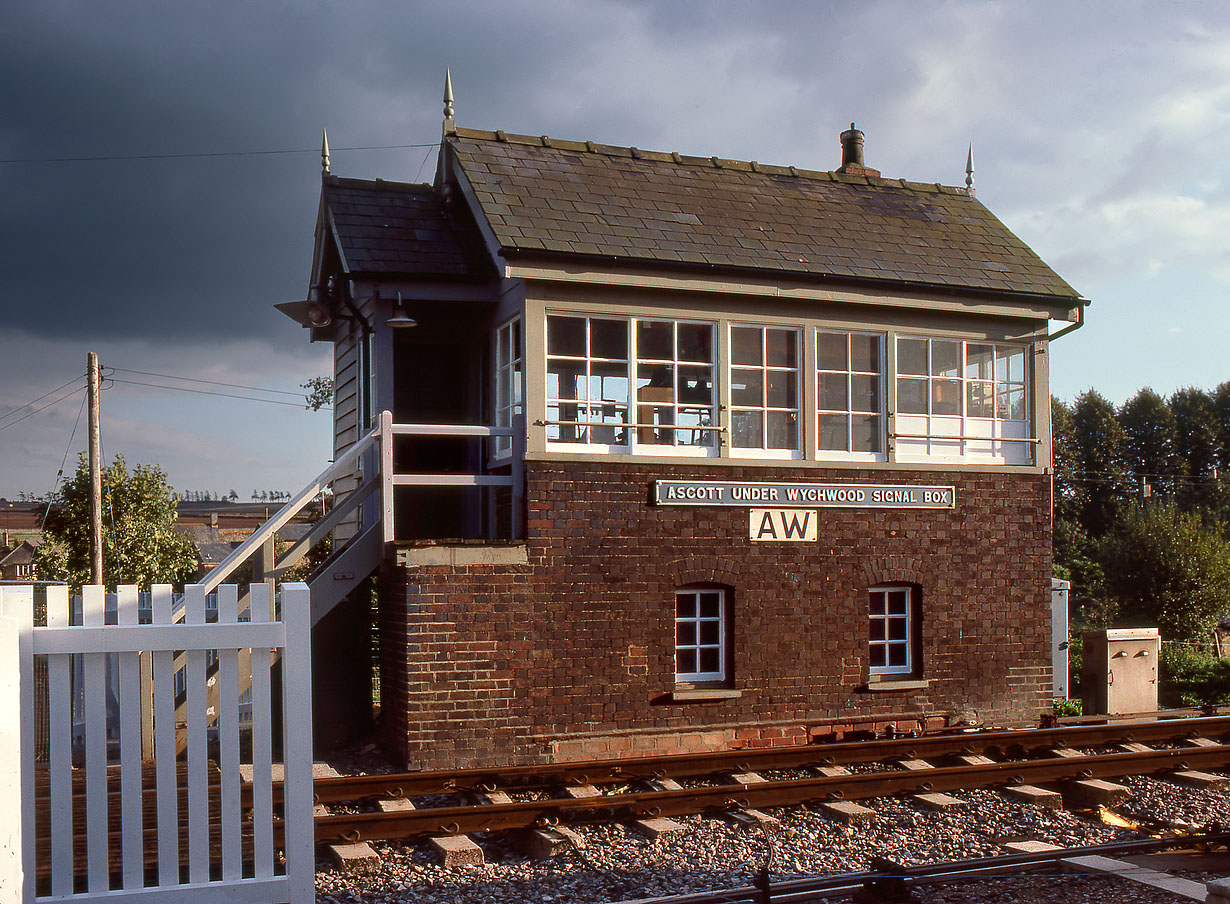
x=1192, y=678
x=1067, y=707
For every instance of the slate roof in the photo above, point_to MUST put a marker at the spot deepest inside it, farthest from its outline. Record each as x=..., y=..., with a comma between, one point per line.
x=394, y=227
x=543, y=195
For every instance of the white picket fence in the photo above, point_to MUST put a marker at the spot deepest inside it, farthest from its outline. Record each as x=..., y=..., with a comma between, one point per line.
x=159, y=808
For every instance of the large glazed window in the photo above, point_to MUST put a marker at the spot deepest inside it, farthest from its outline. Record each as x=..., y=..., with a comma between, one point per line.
x=507, y=380
x=701, y=653
x=850, y=395
x=764, y=388
x=587, y=380
x=630, y=383
x=893, y=630
x=962, y=400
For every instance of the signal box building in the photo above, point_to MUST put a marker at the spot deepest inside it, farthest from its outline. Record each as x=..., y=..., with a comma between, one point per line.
x=770, y=455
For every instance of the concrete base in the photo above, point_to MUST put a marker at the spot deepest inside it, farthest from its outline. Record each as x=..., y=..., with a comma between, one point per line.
x=1032, y=794
x=581, y=792
x=491, y=798
x=1193, y=779
x=1030, y=847
x=1218, y=891
x=542, y=844
x=750, y=819
x=848, y=812
x=915, y=765
x=394, y=806
x=457, y=850
x=748, y=778
x=1093, y=792
x=655, y=828
x=278, y=772
x=354, y=859
x=1172, y=885
x=832, y=771
x=937, y=801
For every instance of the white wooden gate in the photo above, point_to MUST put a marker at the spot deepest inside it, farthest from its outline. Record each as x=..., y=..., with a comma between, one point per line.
x=184, y=819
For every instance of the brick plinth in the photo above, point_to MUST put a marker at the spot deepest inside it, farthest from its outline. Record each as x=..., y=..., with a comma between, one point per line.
x=565, y=650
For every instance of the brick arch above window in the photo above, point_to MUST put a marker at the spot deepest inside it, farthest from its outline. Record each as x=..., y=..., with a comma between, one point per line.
x=702, y=570
x=892, y=570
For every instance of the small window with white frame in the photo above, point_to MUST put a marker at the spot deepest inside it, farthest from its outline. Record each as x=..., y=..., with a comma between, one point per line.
x=701, y=636
x=764, y=389
x=507, y=380
x=850, y=395
x=893, y=630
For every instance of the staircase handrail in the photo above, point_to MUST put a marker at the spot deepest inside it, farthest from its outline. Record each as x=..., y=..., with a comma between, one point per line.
x=265, y=532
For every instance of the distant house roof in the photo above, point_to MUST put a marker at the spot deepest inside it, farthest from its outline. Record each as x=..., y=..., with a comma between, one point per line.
x=394, y=227
x=548, y=196
x=21, y=554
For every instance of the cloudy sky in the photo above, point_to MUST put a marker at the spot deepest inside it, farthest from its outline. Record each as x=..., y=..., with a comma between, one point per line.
x=161, y=179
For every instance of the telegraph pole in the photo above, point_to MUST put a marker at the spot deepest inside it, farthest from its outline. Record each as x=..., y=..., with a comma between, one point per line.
x=96, y=567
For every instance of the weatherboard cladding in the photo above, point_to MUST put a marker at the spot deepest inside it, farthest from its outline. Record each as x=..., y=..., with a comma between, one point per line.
x=543, y=195
x=392, y=227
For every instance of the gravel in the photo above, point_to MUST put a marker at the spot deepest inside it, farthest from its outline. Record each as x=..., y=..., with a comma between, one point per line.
x=617, y=863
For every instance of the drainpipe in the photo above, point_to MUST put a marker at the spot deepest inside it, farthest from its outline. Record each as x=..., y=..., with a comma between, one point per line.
x=1072, y=327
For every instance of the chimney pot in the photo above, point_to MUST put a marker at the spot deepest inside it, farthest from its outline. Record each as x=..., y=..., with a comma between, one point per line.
x=852, y=154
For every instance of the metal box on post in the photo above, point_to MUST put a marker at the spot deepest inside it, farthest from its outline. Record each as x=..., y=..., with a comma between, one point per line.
x=1119, y=671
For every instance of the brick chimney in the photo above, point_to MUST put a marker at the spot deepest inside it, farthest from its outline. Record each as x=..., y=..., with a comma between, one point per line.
x=852, y=154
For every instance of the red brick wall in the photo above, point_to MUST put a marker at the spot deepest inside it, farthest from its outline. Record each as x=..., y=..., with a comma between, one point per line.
x=570, y=655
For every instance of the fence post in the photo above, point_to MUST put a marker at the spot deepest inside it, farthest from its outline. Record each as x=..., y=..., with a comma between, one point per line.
x=518, y=476
x=17, y=606
x=386, y=475
x=11, y=880
x=299, y=834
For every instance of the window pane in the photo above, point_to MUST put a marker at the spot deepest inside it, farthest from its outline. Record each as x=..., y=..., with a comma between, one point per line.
x=566, y=336
x=980, y=402
x=876, y=602
x=877, y=629
x=747, y=429
x=834, y=432
x=745, y=346
x=685, y=662
x=1012, y=404
x=864, y=393
x=655, y=339
x=608, y=382
x=946, y=397
x=685, y=634
x=896, y=629
x=912, y=356
x=865, y=432
x=865, y=354
x=781, y=348
x=945, y=358
x=783, y=430
x=695, y=342
x=783, y=392
x=912, y=396
x=877, y=657
x=709, y=633
x=896, y=654
x=896, y=602
x=685, y=606
x=710, y=661
x=978, y=361
x=655, y=383
x=566, y=380
x=710, y=605
x=696, y=385
x=831, y=351
x=833, y=392
x=746, y=387
x=608, y=339
x=1010, y=364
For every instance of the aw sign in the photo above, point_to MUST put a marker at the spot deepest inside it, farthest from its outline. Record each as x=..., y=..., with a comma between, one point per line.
x=797, y=525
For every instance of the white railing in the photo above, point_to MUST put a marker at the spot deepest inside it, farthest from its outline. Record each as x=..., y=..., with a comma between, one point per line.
x=232, y=874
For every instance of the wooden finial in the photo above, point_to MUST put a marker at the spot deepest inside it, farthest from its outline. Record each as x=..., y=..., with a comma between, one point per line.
x=969, y=170
x=324, y=151
x=450, y=127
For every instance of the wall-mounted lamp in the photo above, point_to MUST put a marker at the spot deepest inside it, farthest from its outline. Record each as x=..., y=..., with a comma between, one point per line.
x=400, y=319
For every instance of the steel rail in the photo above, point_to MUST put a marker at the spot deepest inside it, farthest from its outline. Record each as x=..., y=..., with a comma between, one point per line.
x=616, y=771
x=727, y=797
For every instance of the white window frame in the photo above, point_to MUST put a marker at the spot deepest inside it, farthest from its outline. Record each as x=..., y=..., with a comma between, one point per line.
x=508, y=396
x=961, y=436
x=881, y=411
x=764, y=409
x=635, y=410
x=700, y=627
x=881, y=633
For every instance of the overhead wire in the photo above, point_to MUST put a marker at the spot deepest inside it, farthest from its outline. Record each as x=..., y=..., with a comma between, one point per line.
x=224, y=395
x=146, y=373
x=55, y=485
x=40, y=398
x=204, y=154
x=67, y=395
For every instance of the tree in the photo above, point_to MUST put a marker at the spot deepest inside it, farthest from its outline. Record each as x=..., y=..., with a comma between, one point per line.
x=1151, y=438
x=140, y=543
x=1102, y=482
x=319, y=393
x=1198, y=441
x=1167, y=568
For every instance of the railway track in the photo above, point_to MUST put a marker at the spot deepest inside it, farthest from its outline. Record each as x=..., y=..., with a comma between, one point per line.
x=469, y=801
x=645, y=788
